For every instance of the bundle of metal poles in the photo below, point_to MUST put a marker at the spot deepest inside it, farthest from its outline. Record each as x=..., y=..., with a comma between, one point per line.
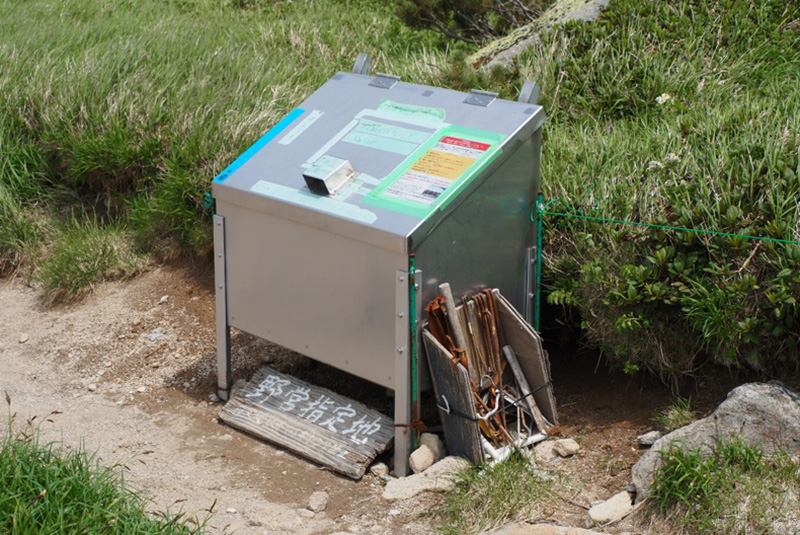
x=507, y=413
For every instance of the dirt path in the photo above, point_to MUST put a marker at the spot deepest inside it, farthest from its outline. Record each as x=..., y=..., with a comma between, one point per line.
x=129, y=373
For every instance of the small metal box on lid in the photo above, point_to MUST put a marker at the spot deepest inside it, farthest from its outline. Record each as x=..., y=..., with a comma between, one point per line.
x=334, y=229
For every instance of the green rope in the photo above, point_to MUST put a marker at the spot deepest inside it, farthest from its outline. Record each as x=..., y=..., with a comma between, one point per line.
x=579, y=215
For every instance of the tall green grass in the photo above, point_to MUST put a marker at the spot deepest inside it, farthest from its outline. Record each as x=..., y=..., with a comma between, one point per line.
x=684, y=114
x=128, y=110
x=734, y=489
x=45, y=488
x=83, y=254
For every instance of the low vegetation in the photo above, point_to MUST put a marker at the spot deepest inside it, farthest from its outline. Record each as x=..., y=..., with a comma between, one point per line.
x=491, y=496
x=675, y=416
x=735, y=489
x=45, y=488
x=682, y=114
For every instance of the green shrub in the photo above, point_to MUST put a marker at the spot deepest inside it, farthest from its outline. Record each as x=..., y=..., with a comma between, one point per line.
x=471, y=21
x=683, y=114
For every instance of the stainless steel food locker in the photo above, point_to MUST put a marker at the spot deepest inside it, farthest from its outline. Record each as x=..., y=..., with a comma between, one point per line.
x=335, y=227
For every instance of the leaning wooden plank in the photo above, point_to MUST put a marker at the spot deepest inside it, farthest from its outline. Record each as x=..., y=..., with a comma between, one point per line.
x=525, y=390
x=314, y=422
x=533, y=359
x=454, y=399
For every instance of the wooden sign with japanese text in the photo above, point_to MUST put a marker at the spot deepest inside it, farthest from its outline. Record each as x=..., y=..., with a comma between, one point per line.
x=314, y=422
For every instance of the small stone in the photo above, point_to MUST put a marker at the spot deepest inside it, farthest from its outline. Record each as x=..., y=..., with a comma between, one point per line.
x=213, y=398
x=566, y=447
x=137, y=322
x=612, y=509
x=394, y=512
x=421, y=459
x=379, y=469
x=187, y=385
x=23, y=338
x=648, y=439
x=545, y=452
x=318, y=501
x=92, y=387
x=142, y=389
x=163, y=300
x=230, y=511
x=435, y=444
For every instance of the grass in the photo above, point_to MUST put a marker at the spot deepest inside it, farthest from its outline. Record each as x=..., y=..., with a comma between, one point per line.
x=736, y=489
x=128, y=111
x=681, y=113
x=83, y=254
x=675, y=416
x=489, y=496
x=686, y=114
x=45, y=488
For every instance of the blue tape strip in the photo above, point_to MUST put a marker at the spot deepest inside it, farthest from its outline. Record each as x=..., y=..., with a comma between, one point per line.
x=266, y=138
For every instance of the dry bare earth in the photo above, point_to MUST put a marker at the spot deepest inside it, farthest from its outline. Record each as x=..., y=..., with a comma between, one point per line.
x=129, y=377
x=130, y=372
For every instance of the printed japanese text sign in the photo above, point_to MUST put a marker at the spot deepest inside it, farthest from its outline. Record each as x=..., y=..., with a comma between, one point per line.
x=434, y=173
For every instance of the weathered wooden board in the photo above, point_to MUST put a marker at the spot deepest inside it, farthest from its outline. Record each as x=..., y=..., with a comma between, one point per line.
x=532, y=357
x=314, y=422
x=452, y=383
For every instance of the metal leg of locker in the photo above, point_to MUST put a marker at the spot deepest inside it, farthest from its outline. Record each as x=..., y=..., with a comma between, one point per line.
x=224, y=379
x=402, y=376
x=408, y=364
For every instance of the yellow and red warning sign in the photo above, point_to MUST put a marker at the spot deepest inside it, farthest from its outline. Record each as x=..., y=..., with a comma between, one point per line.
x=430, y=174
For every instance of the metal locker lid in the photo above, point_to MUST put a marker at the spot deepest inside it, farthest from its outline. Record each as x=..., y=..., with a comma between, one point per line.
x=410, y=151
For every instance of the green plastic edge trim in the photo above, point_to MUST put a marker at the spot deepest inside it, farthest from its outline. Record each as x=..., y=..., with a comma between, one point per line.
x=421, y=210
x=538, y=262
x=412, y=323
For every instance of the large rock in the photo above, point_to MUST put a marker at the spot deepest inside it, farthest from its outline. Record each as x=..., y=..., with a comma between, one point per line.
x=546, y=451
x=439, y=477
x=506, y=49
x=766, y=414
